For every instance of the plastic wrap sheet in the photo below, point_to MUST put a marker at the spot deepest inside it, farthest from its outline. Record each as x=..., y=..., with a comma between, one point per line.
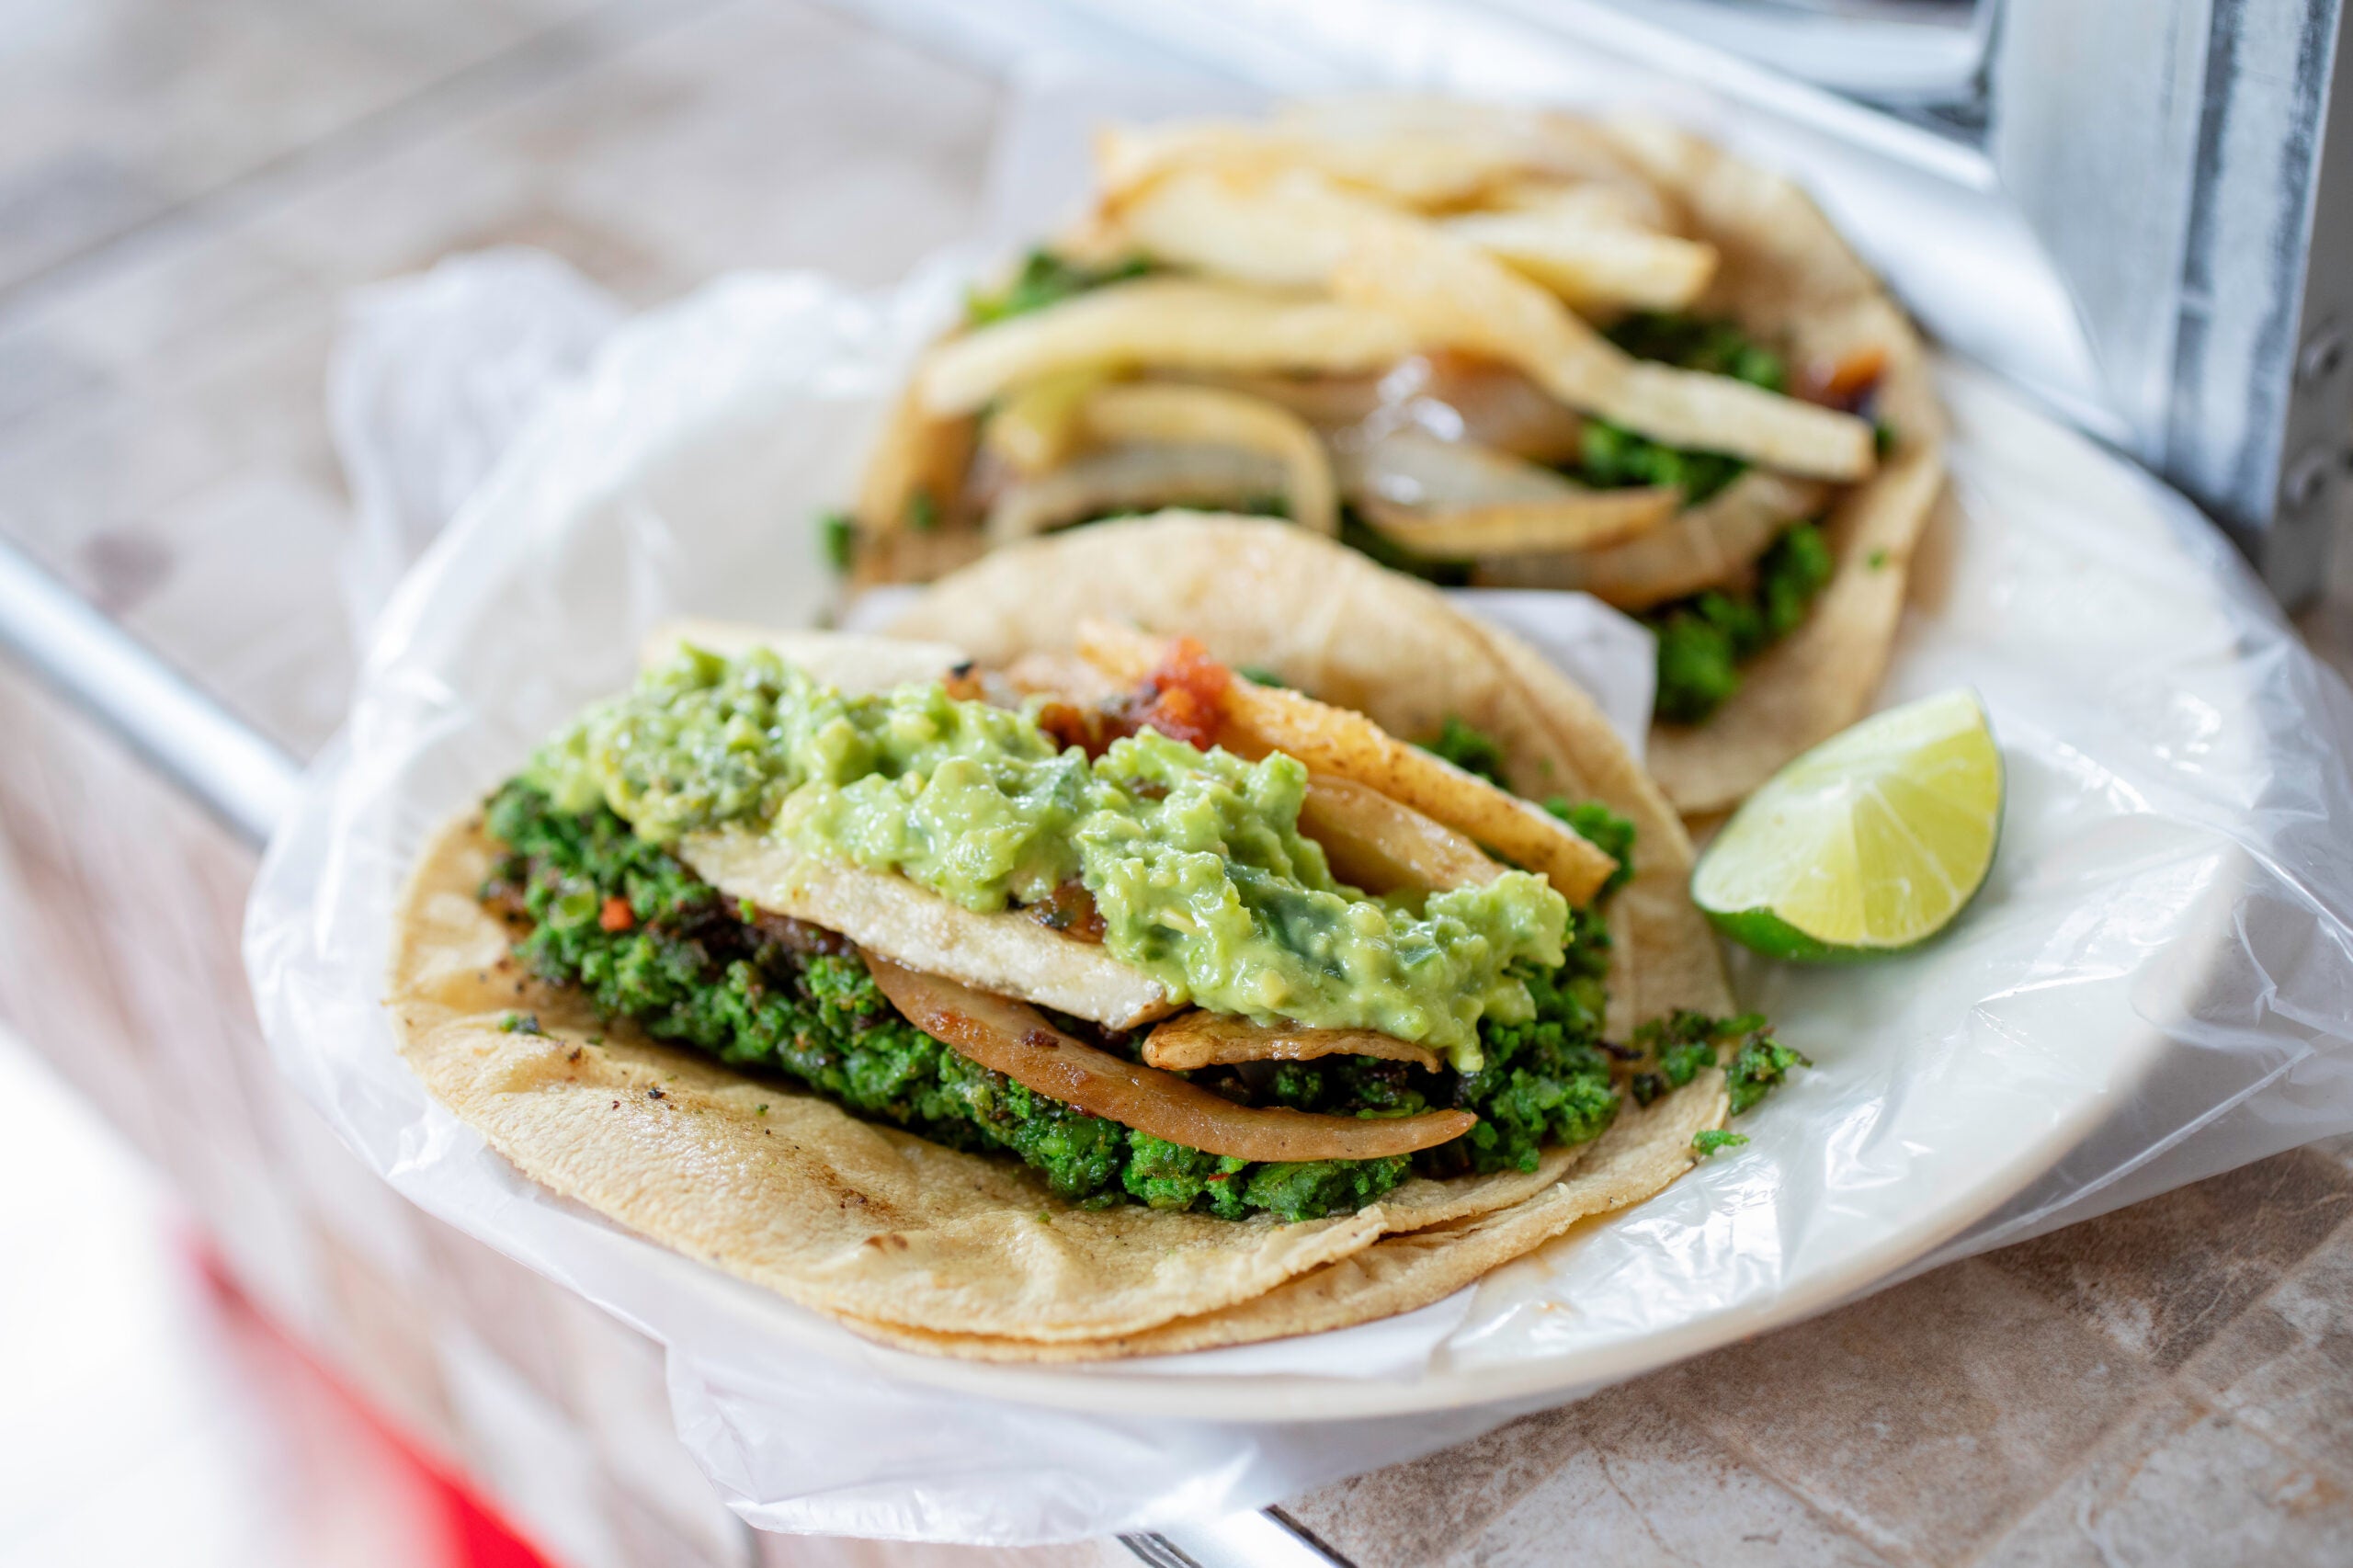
x=432, y=377
x=2156, y=985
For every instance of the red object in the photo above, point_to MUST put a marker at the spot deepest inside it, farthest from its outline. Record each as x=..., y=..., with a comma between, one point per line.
x=1186, y=694
x=477, y=1535
x=480, y=1539
x=1183, y=697
x=617, y=916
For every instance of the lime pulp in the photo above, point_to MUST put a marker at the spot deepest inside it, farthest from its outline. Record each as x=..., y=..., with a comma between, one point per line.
x=1872, y=842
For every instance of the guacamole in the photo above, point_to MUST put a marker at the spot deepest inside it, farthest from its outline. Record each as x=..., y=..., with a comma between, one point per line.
x=644, y=940
x=606, y=909
x=1194, y=859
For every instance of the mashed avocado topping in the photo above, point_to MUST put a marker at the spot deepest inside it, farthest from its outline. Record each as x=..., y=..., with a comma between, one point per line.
x=602, y=908
x=1194, y=859
x=630, y=927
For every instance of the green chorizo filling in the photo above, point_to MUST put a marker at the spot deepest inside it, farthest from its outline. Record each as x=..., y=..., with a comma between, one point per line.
x=1194, y=859
x=1611, y=456
x=1704, y=639
x=757, y=992
x=602, y=907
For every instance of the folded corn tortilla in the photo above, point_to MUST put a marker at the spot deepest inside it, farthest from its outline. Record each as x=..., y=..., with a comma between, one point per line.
x=1789, y=278
x=916, y=1244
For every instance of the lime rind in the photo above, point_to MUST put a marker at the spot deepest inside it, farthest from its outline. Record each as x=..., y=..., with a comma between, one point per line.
x=1869, y=843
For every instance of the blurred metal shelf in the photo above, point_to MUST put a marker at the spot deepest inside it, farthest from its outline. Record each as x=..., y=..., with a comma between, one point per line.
x=219, y=760
x=249, y=783
x=1264, y=1539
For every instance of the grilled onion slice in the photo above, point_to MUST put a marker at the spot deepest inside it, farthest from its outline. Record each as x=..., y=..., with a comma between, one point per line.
x=1173, y=412
x=1015, y=1039
x=1593, y=519
x=1699, y=546
x=1221, y=1039
x=1138, y=477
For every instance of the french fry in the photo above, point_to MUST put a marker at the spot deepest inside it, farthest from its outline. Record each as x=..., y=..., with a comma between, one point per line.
x=1195, y=1040
x=1167, y=412
x=1373, y=843
x=1545, y=145
x=1624, y=203
x=1447, y=292
x=1593, y=265
x=1349, y=745
x=1277, y=229
x=1417, y=169
x=1172, y=324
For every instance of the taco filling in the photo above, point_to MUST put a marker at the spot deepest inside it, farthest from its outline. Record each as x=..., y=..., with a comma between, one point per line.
x=1101, y=930
x=1489, y=349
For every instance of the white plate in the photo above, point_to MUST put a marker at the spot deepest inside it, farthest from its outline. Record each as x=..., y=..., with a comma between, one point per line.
x=1944, y=1082
x=2117, y=657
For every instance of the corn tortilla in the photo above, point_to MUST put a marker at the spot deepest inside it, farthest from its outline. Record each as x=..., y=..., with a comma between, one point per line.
x=1788, y=278
x=1266, y=596
x=1641, y=1152
x=907, y=1240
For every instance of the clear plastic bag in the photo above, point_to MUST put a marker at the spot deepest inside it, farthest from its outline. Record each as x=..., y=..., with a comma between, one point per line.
x=432, y=377
x=2156, y=985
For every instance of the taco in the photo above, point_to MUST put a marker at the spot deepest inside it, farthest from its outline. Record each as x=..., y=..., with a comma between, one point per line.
x=996, y=991
x=1484, y=346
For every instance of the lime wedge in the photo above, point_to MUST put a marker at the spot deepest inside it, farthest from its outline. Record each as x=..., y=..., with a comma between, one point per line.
x=1871, y=843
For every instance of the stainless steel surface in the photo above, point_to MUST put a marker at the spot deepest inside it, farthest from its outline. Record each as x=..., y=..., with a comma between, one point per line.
x=2187, y=164
x=1263, y=1539
x=241, y=779
x=1893, y=51
x=2314, y=257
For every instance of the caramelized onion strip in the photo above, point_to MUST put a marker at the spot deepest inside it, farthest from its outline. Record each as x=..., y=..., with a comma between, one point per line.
x=1219, y=1039
x=1592, y=521
x=1015, y=1039
x=1699, y=546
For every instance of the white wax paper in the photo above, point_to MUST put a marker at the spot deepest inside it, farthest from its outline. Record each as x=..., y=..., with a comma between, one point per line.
x=1612, y=656
x=2154, y=985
